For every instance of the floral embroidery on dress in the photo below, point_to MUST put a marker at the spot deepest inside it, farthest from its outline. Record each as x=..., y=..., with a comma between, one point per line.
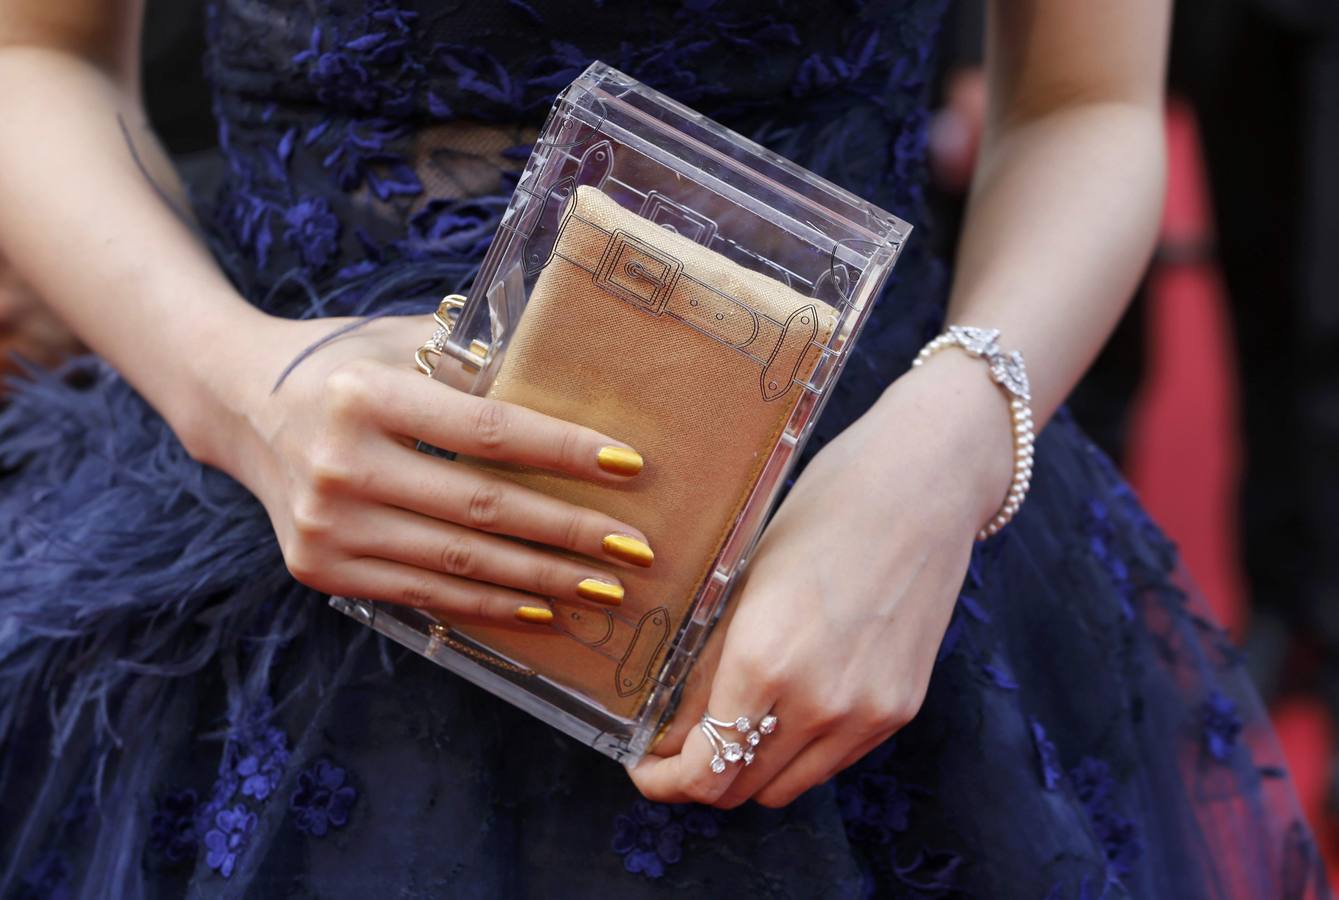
x=330, y=186
x=1101, y=533
x=322, y=799
x=1048, y=760
x=313, y=231
x=1220, y=725
x=252, y=765
x=228, y=837
x=378, y=70
x=651, y=836
x=821, y=73
x=875, y=806
x=930, y=873
x=172, y=831
x=1119, y=835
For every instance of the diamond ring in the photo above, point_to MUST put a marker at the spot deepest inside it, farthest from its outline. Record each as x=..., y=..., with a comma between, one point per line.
x=736, y=751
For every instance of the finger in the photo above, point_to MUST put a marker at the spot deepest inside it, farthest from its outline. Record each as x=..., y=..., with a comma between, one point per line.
x=458, y=599
x=771, y=757
x=674, y=779
x=484, y=501
x=696, y=692
x=492, y=429
x=427, y=543
x=817, y=763
x=682, y=771
x=854, y=756
x=709, y=769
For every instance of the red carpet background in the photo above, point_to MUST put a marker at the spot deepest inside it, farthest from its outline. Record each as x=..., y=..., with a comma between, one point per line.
x=1184, y=457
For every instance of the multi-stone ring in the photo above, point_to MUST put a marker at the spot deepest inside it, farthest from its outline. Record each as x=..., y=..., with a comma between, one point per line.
x=735, y=752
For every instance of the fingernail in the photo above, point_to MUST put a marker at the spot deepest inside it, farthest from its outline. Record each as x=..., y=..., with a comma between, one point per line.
x=619, y=460
x=599, y=591
x=628, y=549
x=535, y=615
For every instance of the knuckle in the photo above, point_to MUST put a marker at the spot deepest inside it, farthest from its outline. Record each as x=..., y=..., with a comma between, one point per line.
x=575, y=528
x=773, y=799
x=764, y=672
x=569, y=449
x=311, y=518
x=348, y=387
x=485, y=506
x=303, y=562
x=888, y=711
x=550, y=580
x=813, y=714
x=328, y=465
x=908, y=708
x=820, y=717
x=490, y=422
x=876, y=714
x=704, y=792
x=457, y=557
x=418, y=593
x=477, y=604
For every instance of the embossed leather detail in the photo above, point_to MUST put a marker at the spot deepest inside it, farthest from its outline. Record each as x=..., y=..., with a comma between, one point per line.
x=634, y=670
x=682, y=386
x=798, y=335
x=647, y=276
x=636, y=271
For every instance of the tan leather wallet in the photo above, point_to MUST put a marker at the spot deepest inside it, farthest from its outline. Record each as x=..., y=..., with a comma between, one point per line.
x=693, y=360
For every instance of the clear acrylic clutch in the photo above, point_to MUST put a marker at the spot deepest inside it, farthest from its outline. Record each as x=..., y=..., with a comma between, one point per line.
x=669, y=283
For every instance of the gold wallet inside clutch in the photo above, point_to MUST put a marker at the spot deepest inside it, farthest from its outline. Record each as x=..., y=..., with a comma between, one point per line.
x=692, y=359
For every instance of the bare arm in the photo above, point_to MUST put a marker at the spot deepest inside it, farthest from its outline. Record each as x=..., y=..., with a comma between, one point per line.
x=851, y=588
x=83, y=225
x=355, y=509
x=1064, y=207
x=1062, y=215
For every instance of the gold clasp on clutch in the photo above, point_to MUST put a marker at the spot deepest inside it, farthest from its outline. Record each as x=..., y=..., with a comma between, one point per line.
x=427, y=356
x=474, y=358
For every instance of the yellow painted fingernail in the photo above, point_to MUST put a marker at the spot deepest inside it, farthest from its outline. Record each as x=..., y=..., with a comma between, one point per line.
x=599, y=591
x=628, y=549
x=619, y=460
x=535, y=615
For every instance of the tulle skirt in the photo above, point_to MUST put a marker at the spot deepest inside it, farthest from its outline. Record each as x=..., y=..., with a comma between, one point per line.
x=179, y=717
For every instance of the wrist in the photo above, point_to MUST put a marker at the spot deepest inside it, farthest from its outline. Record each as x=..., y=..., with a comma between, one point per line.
x=964, y=418
x=242, y=413
x=224, y=371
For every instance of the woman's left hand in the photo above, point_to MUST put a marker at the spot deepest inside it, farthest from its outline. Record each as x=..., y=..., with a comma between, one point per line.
x=836, y=629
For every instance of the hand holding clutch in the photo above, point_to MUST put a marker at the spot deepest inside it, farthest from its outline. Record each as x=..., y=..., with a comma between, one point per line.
x=358, y=510
x=838, y=624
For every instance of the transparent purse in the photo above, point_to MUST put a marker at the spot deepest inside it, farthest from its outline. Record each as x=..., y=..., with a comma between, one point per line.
x=667, y=282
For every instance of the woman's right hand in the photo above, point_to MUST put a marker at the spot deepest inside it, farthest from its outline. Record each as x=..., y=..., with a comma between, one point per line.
x=358, y=511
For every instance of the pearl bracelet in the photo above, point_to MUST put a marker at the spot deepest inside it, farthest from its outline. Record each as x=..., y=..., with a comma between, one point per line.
x=1008, y=371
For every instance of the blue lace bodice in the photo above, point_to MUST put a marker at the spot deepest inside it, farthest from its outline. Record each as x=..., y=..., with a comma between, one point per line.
x=369, y=133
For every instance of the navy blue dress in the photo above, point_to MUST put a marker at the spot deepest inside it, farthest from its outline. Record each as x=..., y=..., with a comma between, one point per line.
x=180, y=718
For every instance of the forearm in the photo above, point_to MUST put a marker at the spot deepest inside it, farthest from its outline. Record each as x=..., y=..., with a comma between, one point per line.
x=84, y=226
x=1062, y=219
